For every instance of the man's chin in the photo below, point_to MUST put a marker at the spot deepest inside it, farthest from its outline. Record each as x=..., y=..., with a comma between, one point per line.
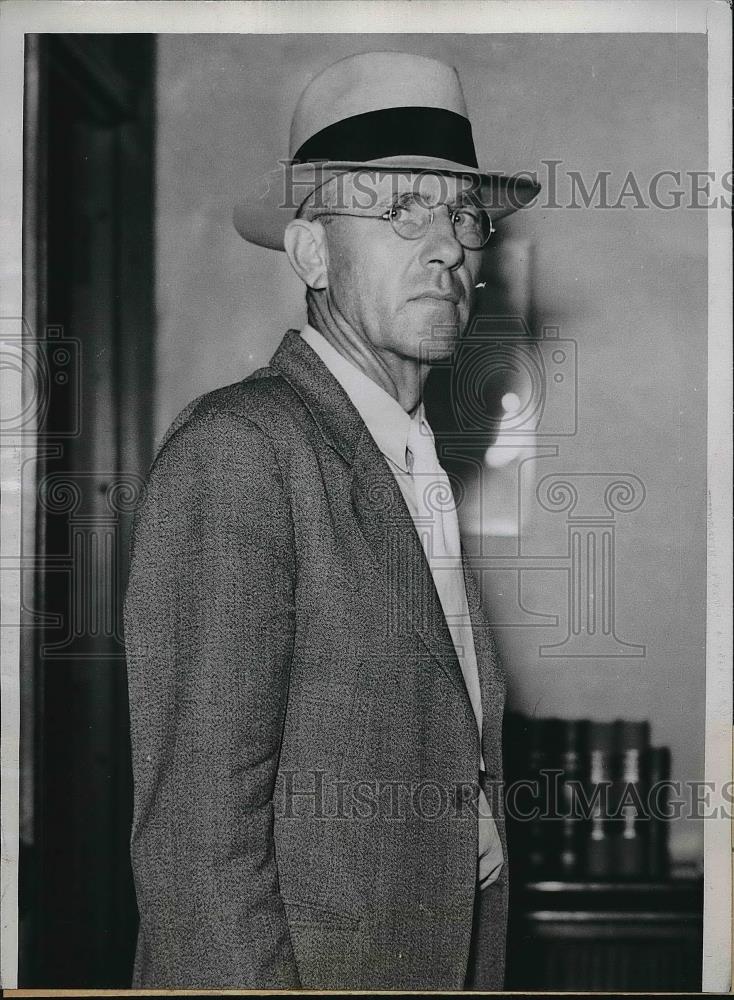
x=430, y=340
x=442, y=338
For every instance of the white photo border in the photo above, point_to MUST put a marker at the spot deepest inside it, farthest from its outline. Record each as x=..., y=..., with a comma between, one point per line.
x=710, y=17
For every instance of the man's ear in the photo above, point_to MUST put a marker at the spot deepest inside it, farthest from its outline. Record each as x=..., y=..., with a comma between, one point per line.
x=305, y=244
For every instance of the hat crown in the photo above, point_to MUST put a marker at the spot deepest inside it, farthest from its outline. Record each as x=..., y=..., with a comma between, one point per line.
x=374, y=81
x=374, y=111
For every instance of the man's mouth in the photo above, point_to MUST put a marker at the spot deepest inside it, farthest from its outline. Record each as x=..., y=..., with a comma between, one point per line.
x=441, y=296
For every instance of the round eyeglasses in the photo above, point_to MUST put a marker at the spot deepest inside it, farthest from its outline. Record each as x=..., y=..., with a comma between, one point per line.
x=412, y=219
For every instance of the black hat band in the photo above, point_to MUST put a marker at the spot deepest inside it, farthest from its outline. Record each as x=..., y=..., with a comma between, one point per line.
x=414, y=131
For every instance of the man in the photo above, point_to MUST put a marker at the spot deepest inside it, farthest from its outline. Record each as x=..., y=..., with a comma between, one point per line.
x=315, y=699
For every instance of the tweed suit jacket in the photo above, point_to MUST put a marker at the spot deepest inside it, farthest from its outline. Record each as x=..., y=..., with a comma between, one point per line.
x=304, y=748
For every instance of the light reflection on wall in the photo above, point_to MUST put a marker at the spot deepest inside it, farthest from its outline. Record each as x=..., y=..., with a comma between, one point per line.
x=507, y=383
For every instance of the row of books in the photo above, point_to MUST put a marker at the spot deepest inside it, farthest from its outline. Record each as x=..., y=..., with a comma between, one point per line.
x=586, y=800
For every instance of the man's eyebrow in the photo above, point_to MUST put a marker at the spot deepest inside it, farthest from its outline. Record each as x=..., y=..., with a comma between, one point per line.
x=464, y=199
x=467, y=199
x=403, y=197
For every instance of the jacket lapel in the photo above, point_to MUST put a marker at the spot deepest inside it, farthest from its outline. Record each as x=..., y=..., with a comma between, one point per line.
x=401, y=568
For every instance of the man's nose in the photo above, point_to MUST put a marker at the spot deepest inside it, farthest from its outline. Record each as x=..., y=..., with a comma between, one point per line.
x=441, y=248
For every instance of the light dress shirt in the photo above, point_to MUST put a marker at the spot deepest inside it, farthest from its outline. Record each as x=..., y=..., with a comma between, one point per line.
x=408, y=445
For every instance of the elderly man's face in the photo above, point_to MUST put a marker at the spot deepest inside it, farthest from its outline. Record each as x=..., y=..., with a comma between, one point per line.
x=400, y=293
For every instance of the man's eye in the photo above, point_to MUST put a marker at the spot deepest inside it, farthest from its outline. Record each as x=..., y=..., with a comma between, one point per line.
x=465, y=217
x=397, y=213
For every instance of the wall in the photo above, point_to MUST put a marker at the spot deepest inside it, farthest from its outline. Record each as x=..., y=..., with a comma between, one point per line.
x=627, y=286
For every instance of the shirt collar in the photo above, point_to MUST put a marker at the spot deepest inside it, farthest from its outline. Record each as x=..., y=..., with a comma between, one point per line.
x=386, y=420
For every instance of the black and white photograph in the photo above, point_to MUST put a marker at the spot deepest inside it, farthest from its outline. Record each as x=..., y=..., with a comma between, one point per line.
x=366, y=496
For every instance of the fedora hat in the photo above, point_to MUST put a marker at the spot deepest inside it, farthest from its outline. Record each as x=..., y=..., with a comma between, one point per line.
x=377, y=111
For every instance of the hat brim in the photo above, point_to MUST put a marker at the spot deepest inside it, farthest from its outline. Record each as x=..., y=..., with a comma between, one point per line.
x=265, y=211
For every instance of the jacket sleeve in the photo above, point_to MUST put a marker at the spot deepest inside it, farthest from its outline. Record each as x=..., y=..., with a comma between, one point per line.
x=209, y=621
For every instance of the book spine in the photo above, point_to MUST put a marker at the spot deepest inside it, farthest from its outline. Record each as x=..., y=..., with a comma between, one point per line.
x=657, y=767
x=574, y=739
x=599, y=854
x=630, y=847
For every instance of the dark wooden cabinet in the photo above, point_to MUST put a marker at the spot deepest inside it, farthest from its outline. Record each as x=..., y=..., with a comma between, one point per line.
x=606, y=936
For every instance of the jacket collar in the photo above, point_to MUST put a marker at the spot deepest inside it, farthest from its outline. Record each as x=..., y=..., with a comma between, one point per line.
x=386, y=420
x=334, y=413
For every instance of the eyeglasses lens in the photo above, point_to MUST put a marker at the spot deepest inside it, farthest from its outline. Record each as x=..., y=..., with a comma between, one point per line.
x=472, y=226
